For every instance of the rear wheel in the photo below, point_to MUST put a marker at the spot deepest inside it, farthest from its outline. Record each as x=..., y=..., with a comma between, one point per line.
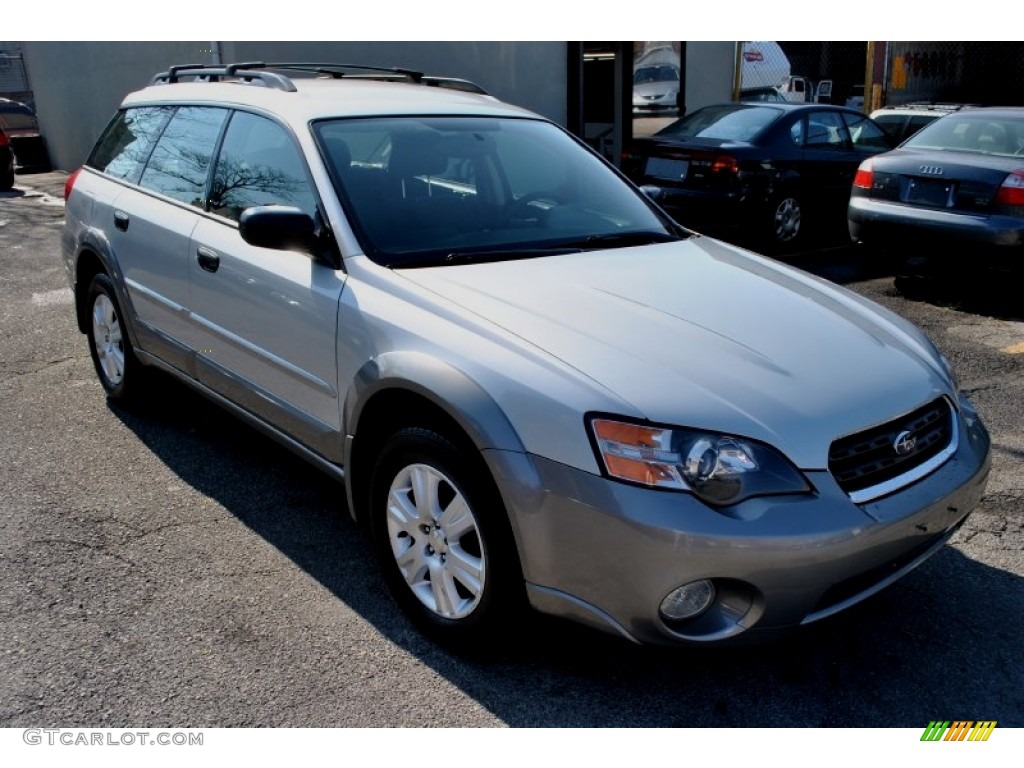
x=442, y=537
x=111, y=350
x=786, y=220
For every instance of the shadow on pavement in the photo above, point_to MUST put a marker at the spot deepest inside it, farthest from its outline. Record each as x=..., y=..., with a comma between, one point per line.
x=992, y=294
x=942, y=643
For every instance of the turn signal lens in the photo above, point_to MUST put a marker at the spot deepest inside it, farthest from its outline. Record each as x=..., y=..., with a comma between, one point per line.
x=639, y=454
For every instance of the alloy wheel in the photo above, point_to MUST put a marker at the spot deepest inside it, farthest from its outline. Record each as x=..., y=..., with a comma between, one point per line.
x=436, y=541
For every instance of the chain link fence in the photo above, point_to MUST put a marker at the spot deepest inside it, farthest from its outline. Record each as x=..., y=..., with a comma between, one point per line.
x=802, y=71
x=988, y=73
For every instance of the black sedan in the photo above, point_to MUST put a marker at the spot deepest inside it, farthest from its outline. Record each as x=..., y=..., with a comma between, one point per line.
x=760, y=174
x=958, y=182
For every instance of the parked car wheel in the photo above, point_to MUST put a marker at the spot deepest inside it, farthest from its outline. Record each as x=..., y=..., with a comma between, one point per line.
x=442, y=536
x=112, y=354
x=787, y=226
x=7, y=179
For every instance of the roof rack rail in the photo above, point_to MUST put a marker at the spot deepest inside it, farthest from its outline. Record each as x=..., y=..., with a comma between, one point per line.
x=932, y=105
x=259, y=71
x=246, y=71
x=336, y=70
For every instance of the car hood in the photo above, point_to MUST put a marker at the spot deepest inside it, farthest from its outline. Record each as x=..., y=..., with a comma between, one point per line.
x=655, y=88
x=700, y=334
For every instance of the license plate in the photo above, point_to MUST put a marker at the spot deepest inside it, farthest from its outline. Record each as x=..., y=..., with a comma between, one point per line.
x=664, y=168
x=934, y=193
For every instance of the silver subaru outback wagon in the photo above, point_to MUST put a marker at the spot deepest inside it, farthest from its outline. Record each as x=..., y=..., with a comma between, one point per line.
x=538, y=389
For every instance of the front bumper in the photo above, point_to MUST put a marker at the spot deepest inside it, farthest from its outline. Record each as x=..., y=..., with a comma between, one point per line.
x=606, y=554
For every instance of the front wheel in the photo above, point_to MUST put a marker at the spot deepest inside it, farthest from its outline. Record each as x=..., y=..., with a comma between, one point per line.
x=442, y=537
x=111, y=350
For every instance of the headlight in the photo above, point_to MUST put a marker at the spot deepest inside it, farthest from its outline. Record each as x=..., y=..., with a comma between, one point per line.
x=720, y=469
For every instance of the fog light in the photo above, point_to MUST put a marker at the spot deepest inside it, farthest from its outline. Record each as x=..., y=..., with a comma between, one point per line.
x=688, y=600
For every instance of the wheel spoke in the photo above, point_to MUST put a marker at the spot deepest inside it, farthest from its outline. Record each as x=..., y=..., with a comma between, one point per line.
x=412, y=563
x=457, y=520
x=99, y=323
x=446, y=596
x=424, y=491
x=402, y=515
x=466, y=568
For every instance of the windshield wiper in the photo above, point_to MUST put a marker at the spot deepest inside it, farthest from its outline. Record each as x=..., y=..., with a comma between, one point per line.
x=626, y=239
x=476, y=257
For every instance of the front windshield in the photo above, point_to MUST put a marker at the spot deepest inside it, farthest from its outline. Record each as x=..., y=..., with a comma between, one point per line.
x=735, y=122
x=655, y=74
x=967, y=132
x=420, y=190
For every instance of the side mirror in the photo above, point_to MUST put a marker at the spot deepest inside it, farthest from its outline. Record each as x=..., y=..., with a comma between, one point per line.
x=278, y=226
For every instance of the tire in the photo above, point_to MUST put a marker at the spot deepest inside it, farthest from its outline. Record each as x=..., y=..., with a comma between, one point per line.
x=7, y=180
x=112, y=355
x=443, y=540
x=785, y=221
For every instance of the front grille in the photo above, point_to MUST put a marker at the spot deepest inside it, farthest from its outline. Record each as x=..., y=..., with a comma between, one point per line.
x=870, y=458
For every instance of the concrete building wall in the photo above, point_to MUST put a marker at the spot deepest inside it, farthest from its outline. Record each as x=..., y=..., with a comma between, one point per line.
x=79, y=85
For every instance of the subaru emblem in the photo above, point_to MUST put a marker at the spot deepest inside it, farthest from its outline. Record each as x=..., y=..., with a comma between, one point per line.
x=904, y=443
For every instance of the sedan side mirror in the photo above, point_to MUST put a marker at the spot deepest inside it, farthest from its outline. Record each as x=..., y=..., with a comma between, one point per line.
x=280, y=227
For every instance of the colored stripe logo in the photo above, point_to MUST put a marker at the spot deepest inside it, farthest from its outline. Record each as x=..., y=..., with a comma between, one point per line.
x=958, y=730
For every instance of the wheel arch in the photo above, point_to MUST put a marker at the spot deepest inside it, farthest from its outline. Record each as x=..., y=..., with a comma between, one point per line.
x=400, y=389
x=93, y=257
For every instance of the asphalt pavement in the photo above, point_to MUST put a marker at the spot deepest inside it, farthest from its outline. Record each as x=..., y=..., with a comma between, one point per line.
x=164, y=565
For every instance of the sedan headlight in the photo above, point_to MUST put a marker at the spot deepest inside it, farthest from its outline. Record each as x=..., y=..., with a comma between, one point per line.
x=720, y=469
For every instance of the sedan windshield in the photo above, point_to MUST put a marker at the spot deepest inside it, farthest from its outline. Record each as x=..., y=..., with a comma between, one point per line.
x=735, y=122
x=421, y=191
x=967, y=132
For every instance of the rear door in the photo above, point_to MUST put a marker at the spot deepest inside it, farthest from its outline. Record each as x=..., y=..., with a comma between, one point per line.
x=266, y=319
x=162, y=156
x=830, y=161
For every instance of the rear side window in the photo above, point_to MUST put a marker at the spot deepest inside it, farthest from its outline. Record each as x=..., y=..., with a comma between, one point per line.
x=125, y=144
x=824, y=131
x=181, y=159
x=864, y=134
x=258, y=164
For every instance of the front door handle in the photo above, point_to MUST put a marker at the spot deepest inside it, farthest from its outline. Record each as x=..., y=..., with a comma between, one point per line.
x=207, y=259
x=121, y=220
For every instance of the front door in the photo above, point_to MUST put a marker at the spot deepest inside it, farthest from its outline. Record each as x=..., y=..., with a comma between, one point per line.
x=266, y=319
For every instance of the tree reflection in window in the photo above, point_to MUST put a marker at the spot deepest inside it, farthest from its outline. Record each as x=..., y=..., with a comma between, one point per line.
x=258, y=165
x=127, y=140
x=181, y=159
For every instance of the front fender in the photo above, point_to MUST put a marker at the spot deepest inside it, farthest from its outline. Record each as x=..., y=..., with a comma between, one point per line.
x=450, y=389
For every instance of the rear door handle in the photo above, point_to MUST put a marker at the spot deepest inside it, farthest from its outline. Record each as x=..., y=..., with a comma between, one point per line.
x=121, y=220
x=207, y=259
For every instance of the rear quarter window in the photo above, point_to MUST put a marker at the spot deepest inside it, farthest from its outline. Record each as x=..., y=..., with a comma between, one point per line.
x=124, y=146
